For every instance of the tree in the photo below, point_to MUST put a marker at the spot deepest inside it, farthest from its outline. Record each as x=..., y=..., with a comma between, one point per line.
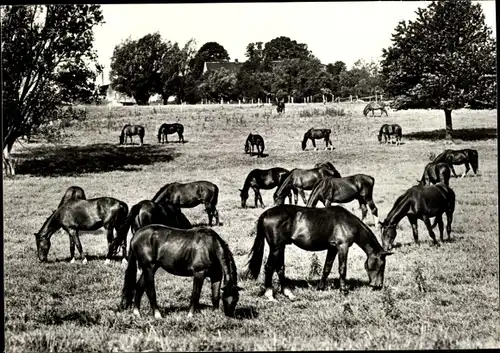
x=218, y=84
x=210, y=51
x=135, y=67
x=282, y=48
x=442, y=59
x=47, y=59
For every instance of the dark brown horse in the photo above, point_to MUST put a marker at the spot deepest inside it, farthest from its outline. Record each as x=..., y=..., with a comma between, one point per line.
x=147, y=212
x=313, y=229
x=342, y=190
x=85, y=215
x=131, y=130
x=420, y=202
x=254, y=140
x=197, y=252
x=388, y=130
x=280, y=106
x=72, y=193
x=458, y=157
x=166, y=129
x=372, y=106
x=435, y=173
x=191, y=195
x=315, y=134
x=265, y=179
x=299, y=180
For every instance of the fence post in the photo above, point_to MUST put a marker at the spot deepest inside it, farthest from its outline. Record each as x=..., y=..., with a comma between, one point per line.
x=350, y=97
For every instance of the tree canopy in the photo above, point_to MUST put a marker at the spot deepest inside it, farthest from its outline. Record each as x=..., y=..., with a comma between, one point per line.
x=442, y=60
x=210, y=51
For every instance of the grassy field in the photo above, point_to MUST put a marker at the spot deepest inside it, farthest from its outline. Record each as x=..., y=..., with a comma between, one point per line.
x=434, y=297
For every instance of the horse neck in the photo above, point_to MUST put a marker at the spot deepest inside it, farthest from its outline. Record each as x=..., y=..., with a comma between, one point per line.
x=246, y=185
x=226, y=261
x=307, y=135
x=367, y=241
x=399, y=210
x=50, y=226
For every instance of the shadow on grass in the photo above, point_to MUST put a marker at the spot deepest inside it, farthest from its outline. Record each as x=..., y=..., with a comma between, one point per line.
x=97, y=158
x=459, y=134
x=263, y=155
x=333, y=283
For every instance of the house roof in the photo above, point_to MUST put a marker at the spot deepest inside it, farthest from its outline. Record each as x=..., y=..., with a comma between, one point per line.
x=231, y=66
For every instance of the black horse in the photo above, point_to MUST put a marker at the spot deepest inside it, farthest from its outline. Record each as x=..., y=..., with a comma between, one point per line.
x=420, y=202
x=85, y=215
x=458, y=157
x=390, y=130
x=280, y=106
x=191, y=195
x=197, y=252
x=435, y=173
x=254, y=140
x=262, y=179
x=372, y=106
x=313, y=229
x=72, y=193
x=315, y=134
x=342, y=190
x=166, y=129
x=299, y=180
x=147, y=212
x=131, y=130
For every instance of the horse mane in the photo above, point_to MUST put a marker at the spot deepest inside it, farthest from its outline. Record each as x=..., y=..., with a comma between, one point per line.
x=226, y=258
x=47, y=222
x=398, y=201
x=285, y=183
x=161, y=191
x=441, y=157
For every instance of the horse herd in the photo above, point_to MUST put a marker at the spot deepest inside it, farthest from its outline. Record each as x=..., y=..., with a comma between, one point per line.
x=163, y=237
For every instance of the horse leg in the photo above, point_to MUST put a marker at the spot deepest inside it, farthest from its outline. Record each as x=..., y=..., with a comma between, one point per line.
x=467, y=168
x=296, y=196
x=258, y=197
x=216, y=282
x=199, y=277
x=72, y=248
x=139, y=291
x=280, y=269
x=373, y=209
x=453, y=171
x=109, y=234
x=290, y=197
x=429, y=228
x=364, y=209
x=449, y=219
x=330, y=257
x=76, y=239
x=269, y=271
x=414, y=227
x=439, y=220
x=343, y=250
x=149, y=279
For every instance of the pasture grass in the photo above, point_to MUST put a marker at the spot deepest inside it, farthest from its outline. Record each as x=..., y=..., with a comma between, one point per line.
x=435, y=297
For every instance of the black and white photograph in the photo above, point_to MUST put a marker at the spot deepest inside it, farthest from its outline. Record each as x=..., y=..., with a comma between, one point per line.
x=259, y=176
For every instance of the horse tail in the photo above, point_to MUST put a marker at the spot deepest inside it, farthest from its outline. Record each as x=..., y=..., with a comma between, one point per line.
x=284, y=185
x=257, y=253
x=130, y=281
x=314, y=197
x=304, y=140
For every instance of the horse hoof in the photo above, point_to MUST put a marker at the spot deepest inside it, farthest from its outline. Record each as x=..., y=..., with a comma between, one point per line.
x=107, y=262
x=157, y=315
x=72, y=261
x=288, y=293
x=84, y=261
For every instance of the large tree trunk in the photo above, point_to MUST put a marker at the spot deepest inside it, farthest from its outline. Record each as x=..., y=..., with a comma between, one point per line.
x=9, y=163
x=449, y=124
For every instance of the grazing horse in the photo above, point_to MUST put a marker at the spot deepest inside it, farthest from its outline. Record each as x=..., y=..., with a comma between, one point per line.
x=280, y=106
x=85, y=215
x=191, y=195
x=147, y=212
x=254, y=140
x=313, y=229
x=420, y=202
x=315, y=134
x=372, y=106
x=72, y=193
x=131, y=130
x=458, y=157
x=166, y=129
x=197, y=253
x=390, y=130
x=265, y=179
x=435, y=173
x=342, y=190
x=299, y=180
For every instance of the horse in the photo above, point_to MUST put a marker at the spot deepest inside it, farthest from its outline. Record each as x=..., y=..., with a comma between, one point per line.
x=77, y=215
x=262, y=179
x=166, y=129
x=191, y=195
x=197, y=252
x=315, y=134
x=342, y=190
x=313, y=229
x=72, y=193
x=328, y=165
x=458, y=157
x=147, y=212
x=299, y=180
x=372, y=106
x=435, y=173
x=420, y=202
x=280, y=107
x=130, y=130
x=389, y=130
x=254, y=140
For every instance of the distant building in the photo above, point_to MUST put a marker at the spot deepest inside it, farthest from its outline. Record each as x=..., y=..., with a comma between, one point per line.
x=234, y=66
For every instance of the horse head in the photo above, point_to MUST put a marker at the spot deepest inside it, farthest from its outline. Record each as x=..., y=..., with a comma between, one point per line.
x=244, y=197
x=375, y=267
x=42, y=246
x=230, y=297
x=388, y=234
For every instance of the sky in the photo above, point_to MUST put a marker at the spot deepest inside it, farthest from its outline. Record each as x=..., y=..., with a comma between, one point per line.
x=333, y=31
